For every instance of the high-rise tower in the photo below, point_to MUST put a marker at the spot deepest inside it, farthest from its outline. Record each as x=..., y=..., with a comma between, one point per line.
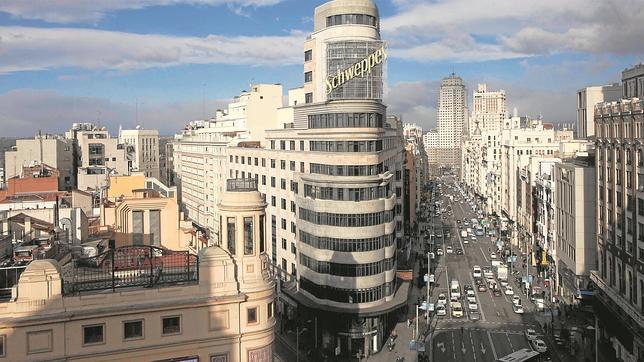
x=452, y=119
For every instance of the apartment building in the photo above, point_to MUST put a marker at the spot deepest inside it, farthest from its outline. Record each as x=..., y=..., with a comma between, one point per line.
x=488, y=110
x=587, y=98
x=619, y=279
x=145, y=143
x=52, y=150
x=430, y=141
x=575, y=205
x=544, y=193
x=199, y=151
x=218, y=307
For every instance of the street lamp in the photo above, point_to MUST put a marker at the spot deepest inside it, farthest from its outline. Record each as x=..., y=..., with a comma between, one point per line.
x=298, y=332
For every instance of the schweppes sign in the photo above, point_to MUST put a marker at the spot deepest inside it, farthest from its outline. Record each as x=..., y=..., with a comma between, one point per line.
x=359, y=69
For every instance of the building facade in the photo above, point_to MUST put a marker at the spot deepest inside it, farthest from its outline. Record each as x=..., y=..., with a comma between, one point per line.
x=575, y=207
x=619, y=279
x=488, y=110
x=333, y=182
x=587, y=98
x=146, y=150
x=51, y=150
x=452, y=120
x=224, y=312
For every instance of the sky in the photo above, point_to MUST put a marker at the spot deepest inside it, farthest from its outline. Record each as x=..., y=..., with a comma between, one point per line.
x=162, y=63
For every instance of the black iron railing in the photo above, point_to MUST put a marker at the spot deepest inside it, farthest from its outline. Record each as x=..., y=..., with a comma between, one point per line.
x=130, y=266
x=241, y=184
x=9, y=277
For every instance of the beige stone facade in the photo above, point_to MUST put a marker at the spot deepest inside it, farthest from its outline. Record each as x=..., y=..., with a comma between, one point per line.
x=226, y=313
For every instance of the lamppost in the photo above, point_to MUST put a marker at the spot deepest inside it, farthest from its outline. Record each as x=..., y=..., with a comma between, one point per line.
x=298, y=332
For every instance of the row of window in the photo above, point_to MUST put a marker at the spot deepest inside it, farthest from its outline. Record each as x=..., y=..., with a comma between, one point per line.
x=346, y=146
x=346, y=120
x=346, y=220
x=348, y=295
x=346, y=170
x=347, y=194
x=347, y=245
x=348, y=270
x=342, y=19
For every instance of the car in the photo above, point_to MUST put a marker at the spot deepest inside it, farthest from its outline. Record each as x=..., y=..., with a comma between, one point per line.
x=453, y=299
x=504, y=283
x=439, y=251
x=459, y=251
x=457, y=310
x=472, y=305
x=465, y=241
x=487, y=271
x=492, y=256
x=432, y=278
x=449, y=250
x=539, y=346
x=516, y=300
x=442, y=299
x=509, y=290
x=518, y=309
x=467, y=287
x=473, y=238
x=482, y=288
x=476, y=271
x=471, y=296
x=474, y=315
x=531, y=334
x=441, y=310
x=497, y=292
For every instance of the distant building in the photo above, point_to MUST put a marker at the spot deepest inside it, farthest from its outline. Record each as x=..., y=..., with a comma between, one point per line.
x=633, y=82
x=51, y=150
x=488, y=110
x=146, y=150
x=452, y=120
x=36, y=179
x=430, y=141
x=167, y=305
x=587, y=98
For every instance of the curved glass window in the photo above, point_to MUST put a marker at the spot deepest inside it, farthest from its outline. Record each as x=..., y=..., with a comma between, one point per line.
x=345, y=120
x=347, y=194
x=360, y=19
x=346, y=220
x=347, y=270
x=347, y=245
x=348, y=295
x=347, y=170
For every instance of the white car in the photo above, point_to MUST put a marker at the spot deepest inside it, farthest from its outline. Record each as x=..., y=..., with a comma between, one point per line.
x=516, y=300
x=442, y=299
x=509, y=290
x=452, y=300
x=518, y=309
x=487, y=272
x=471, y=296
x=530, y=334
x=473, y=238
x=449, y=250
x=539, y=346
x=476, y=271
x=441, y=310
x=493, y=256
x=465, y=241
x=472, y=305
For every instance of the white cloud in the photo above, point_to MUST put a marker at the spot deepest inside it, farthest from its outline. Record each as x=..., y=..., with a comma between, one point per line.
x=24, y=111
x=472, y=30
x=75, y=11
x=25, y=49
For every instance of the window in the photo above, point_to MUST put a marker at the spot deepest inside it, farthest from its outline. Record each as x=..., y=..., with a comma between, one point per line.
x=293, y=249
x=264, y=180
x=263, y=162
x=171, y=325
x=308, y=77
x=283, y=243
x=283, y=164
x=272, y=181
x=270, y=310
x=301, y=145
x=272, y=163
x=283, y=204
x=308, y=98
x=292, y=165
x=283, y=224
x=272, y=144
x=251, y=315
x=133, y=329
x=273, y=201
x=308, y=55
x=3, y=340
x=248, y=236
x=283, y=184
x=231, y=234
x=262, y=242
x=93, y=334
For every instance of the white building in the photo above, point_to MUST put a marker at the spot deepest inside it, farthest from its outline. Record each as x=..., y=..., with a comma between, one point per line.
x=587, y=98
x=430, y=141
x=488, y=110
x=452, y=115
x=199, y=155
x=146, y=150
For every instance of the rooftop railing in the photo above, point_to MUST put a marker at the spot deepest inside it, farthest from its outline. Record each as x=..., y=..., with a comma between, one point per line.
x=241, y=185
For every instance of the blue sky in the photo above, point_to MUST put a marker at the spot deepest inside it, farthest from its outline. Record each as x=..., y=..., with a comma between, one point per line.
x=73, y=60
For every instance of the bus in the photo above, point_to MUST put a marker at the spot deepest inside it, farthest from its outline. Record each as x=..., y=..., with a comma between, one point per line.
x=523, y=355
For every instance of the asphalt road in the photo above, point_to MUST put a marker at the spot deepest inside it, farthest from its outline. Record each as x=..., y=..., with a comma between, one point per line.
x=499, y=331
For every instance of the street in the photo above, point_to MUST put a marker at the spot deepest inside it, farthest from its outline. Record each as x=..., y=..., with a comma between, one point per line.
x=498, y=330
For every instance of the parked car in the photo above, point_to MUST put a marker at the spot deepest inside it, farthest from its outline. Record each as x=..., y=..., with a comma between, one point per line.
x=442, y=299
x=530, y=334
x=439, y=251
x=516, y=300
x=509, y=290
x=449, y=250
x=518, y=309
x=459, y=251
x=539, y=346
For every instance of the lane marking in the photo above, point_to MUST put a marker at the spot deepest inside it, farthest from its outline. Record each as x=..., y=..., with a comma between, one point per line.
x=489, y=336
x=473, y=349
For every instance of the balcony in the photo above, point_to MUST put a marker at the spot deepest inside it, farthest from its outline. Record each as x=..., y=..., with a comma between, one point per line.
x=241, y=185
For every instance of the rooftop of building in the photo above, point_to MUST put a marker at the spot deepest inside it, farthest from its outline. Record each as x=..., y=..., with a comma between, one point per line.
x=624, y=106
